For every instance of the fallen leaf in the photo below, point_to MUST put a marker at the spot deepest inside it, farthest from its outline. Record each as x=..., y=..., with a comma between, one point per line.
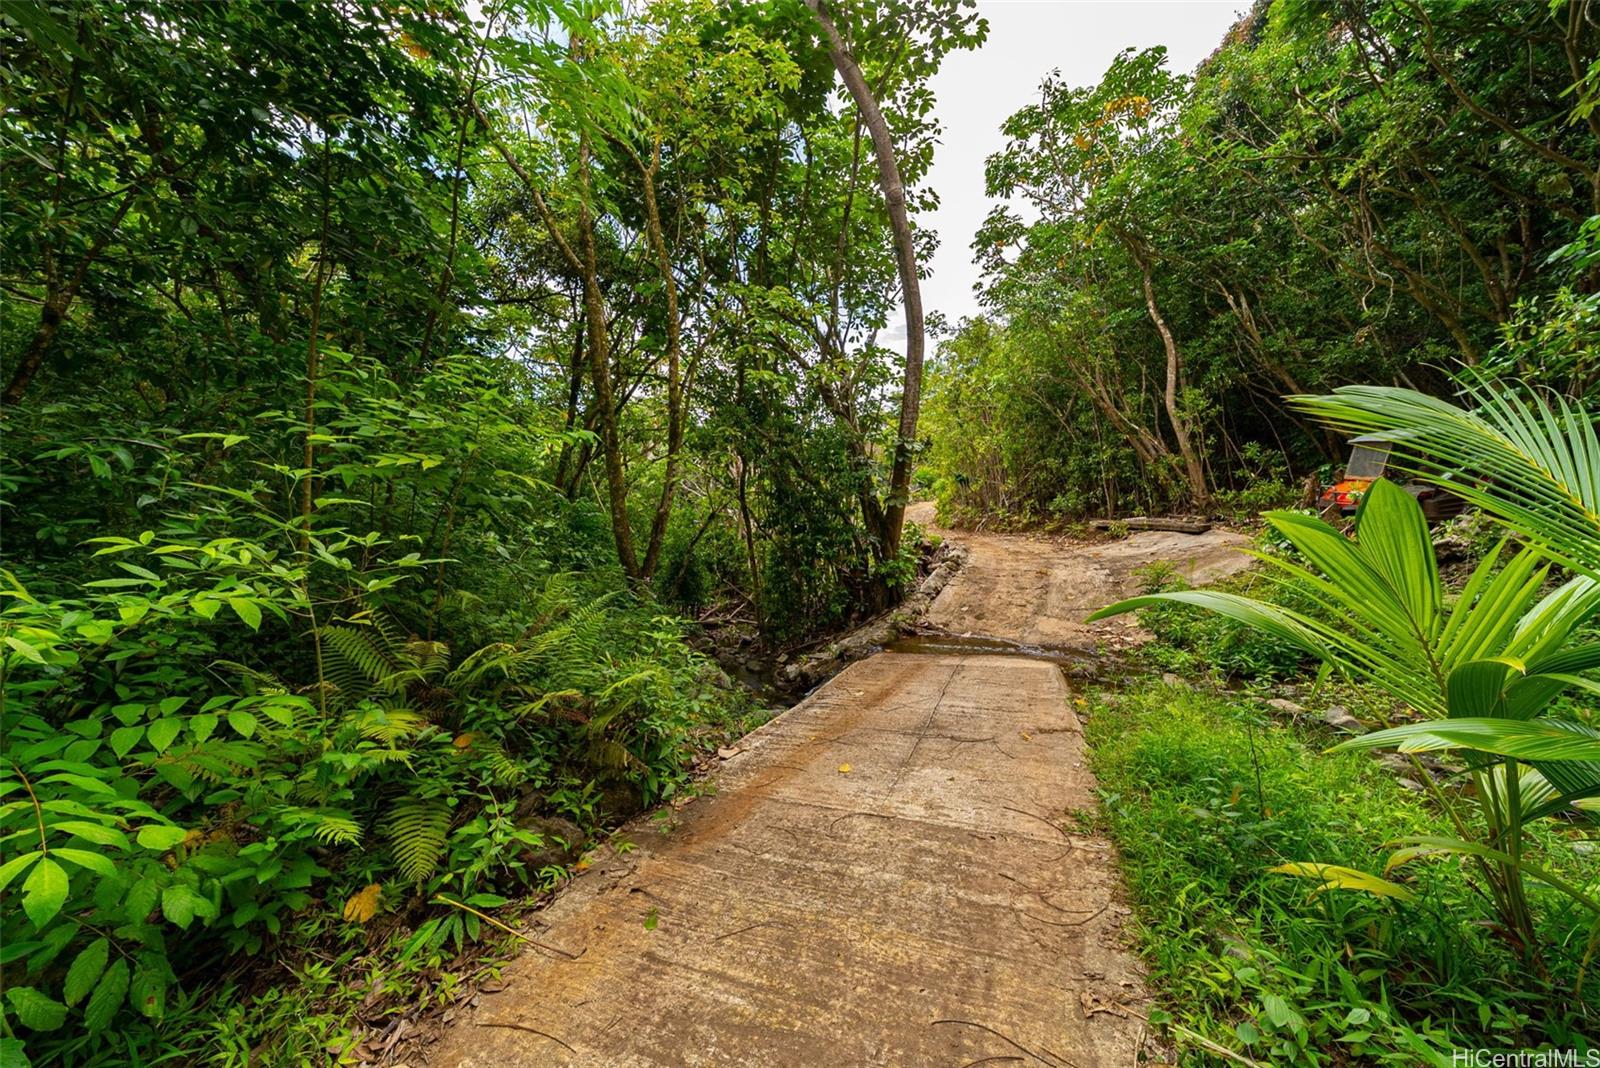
x=651, y=918
x=728, y=752
x=844, y=769
x=1027, y=737
x=363, y=904
x=464, y=740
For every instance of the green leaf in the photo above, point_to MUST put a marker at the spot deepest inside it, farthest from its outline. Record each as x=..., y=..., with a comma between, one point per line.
x=44, y=892
x=141, y=900
x=97, y=833
x=1334, y=877
x=107, y=998
x=177, y=904
x=85, y=971
x=201, y=725
x=243, y=722
x=13, y=1054
x=35, y=1010
x=123, y=739
x=14, y=867
x=162, y=732
x=246, y=610
x=26, y=651
x=160, y=836
x=148, y=992
x=1540, y=739
x=95, y=862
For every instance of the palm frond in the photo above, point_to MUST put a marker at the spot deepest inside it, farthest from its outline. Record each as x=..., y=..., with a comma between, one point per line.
x=1532, y=464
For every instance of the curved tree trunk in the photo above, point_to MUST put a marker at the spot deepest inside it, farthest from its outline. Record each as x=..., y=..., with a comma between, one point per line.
x=1193, y=469
x=894, y=195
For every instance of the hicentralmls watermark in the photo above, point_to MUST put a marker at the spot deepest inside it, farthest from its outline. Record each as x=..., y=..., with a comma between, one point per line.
x=1542, y=1058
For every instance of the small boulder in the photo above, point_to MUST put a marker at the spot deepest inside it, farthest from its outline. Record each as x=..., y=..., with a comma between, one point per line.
x=1284, y=705
x=563, y=841
x=1339, y=718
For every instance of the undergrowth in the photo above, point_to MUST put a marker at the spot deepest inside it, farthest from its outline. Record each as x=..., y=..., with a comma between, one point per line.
x=1203, y=794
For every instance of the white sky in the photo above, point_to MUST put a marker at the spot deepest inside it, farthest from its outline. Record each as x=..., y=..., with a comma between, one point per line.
x=977, y=91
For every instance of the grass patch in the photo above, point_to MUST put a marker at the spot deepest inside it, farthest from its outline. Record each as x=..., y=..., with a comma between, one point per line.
x=1203, y=794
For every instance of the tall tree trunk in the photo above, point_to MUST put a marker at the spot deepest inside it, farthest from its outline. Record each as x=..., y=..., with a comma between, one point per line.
x=1193, y=469
x=894, y=195
x=587, y=268
x=600, y=370
x=676, y=404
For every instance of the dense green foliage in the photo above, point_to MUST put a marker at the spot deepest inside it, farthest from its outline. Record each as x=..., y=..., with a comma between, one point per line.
x=385, y=384
x=1205, y=794
x=1376, y=191
x=381, y=381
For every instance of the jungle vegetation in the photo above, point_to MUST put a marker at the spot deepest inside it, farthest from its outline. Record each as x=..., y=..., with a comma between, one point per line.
x=392, y=391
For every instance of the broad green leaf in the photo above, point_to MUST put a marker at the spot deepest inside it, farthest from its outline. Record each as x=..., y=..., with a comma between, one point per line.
x=177, y=904
x=44, y=891
x=159, y=836
x=15, y=866
x=108, y=997
x=97, y=833
x=36, y=1010
x=246, y=610
x=123, y=739
x=86, y=969
x=148, y=991
x=95, y=862
x=1532, y=740
x=162, y=732
x=242, y=722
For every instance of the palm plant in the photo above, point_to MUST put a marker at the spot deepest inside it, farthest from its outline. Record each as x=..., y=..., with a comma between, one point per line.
x=1483, y=668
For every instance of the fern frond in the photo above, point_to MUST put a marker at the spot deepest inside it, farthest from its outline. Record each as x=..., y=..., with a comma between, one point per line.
x=262, y=682
x=385, y=724
x=373, y=666
x=502, y=769
x=330, y=826
x=417, y=829
x=559, y=698
x=613, y=755
x=431, y=659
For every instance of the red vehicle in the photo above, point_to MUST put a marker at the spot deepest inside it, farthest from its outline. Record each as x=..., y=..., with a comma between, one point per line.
x=1369, y=461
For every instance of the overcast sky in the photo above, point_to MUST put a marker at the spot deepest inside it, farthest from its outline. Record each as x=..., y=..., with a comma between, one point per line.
x=976, y=91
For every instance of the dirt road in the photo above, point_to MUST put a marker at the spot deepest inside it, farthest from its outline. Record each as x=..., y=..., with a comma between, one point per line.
x=1038, y=589
x=889, y=874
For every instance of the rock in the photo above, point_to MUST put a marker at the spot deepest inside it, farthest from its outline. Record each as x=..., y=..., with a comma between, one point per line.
x=563, y=841
x=1284, y=705
x=1339, y=718
x=1169, y=679
x=1411, y=784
